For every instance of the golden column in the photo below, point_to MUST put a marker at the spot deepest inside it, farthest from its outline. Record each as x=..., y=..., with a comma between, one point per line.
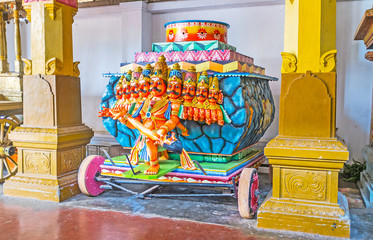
x=306, y=155
x=17, y=37
x=51, y=142
x=4, y=65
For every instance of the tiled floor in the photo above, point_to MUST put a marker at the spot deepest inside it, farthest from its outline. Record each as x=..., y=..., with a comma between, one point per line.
x=117, y=215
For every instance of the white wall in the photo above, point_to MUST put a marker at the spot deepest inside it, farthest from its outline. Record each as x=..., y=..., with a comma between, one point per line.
x=354, y=79
x=106, y=36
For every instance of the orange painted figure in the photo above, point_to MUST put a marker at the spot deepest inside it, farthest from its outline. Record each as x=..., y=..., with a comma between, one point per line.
x=201, y=97
x=122, y=105
x=154, y=113
x=174, y=90
x=214, y=112
x=189, y=92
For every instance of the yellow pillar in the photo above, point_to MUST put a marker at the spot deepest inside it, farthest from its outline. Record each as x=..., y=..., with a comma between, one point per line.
x=4, y=66
x=51, y=143
x=17, y=38
x=306, y=155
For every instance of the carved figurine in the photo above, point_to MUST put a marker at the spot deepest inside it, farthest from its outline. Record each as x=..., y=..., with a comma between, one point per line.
x=155, y=114
x=189, y=92
x=214, y=112
x=201, y=97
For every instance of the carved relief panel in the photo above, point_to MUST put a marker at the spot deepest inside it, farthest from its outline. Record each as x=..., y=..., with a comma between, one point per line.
x=37, y=162
x=71, y=159
x=301, y=184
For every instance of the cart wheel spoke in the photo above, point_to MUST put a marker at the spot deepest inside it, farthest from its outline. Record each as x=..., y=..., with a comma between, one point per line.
x=1, y=169
x=12, y=161
x=2, y=126
x=7, y=168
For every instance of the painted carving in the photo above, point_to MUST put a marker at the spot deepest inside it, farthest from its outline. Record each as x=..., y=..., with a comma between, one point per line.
x=328, y=61
x=289, y=62
x=196, y=30
x=27, y=69
x=37, y=162
x=76, y=71
x=303, y=184
x=53, y=66
x=175, y=105
x=71, y=159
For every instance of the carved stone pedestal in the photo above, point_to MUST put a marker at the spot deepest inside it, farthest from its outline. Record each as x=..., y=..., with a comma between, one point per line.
x=366, y=177
x=305, y=187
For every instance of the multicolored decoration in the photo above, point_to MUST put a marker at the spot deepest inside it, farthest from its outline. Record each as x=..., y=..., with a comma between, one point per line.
x=196, y=30
x=220, y=67
x=191, y=46
x=190, y=97
x=205, y=55
x=247, y=102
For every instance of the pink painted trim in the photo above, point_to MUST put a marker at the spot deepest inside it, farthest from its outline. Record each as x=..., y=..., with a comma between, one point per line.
x=206, y=55
x=70, y=3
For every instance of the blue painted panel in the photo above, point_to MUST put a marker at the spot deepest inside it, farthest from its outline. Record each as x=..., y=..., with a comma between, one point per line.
x=194, y=129
x=110, y=126
x=123, y=139
x=212, y=131
x=217, y=145
x=239, y=118
x=228, y=106
x=237, y=98
x=204, y=143
x=231, y=133
x=228, y=148
x=108, y=93
x=229, y=85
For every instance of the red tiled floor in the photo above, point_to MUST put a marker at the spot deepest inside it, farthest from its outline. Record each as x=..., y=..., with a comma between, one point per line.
x=73, y=223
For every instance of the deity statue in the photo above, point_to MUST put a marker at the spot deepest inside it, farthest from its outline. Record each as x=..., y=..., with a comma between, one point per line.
x=123, y=104
x=174, y=90
x=189, y=92
x=214, y=112
x=155, y=114
x=139, y=150
x=201, y=97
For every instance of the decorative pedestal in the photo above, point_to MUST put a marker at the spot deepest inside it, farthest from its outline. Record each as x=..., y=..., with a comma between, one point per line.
x=49, y=161
x=305, y=187
x=366, y=177
x=52, y=141
x=306, y=156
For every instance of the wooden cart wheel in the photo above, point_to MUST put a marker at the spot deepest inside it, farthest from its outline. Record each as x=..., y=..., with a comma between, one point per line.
x=248, y=193
x=8, y=153
x=88, y=170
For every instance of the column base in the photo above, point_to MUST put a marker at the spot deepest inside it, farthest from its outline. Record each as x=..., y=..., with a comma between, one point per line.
x=48, y=162
x=300, y=216
x=4, y=66
x=18, y=66
x=56, y=190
